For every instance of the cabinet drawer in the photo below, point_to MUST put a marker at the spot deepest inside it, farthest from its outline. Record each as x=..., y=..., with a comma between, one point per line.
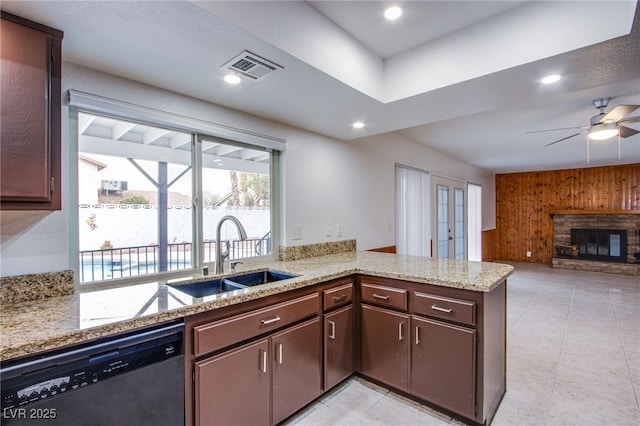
x=461, y=311
x=338, y=296
x=384, y=296
x=218, y=334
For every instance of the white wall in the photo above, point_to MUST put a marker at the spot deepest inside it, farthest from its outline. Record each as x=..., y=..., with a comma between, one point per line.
x=353, y=184
x=323, y=180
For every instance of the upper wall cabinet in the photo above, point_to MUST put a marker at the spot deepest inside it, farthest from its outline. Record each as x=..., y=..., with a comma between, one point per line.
x=30, y=142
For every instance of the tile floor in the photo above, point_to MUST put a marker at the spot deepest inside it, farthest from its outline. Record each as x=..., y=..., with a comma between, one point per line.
x=573, y=358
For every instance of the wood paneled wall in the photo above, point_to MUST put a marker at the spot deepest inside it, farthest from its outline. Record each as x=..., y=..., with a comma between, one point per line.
x=488, y=250
x=524, y=202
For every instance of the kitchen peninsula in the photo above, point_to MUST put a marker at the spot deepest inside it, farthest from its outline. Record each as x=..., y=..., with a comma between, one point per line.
x=462, y=302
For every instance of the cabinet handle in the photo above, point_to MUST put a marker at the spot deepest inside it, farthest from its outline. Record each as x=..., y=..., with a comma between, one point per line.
x=263, y=361
x=400, y=327
x=340, y=298
x=438, y=308
x=280, y=351
x=417, y=335
x=379, y=296
x=270, y=321
x=332, y=335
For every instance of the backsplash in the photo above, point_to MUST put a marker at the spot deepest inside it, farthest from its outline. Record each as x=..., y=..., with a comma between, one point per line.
x=20, y=288
x=313, y=250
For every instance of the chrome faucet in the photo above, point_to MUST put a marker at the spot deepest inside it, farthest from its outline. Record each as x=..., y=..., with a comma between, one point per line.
x=220, y=256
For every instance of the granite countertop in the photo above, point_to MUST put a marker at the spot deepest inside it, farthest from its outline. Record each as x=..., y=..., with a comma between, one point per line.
x=37, y=325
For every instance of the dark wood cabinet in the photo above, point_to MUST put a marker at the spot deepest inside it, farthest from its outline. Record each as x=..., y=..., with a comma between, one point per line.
x=233, y=388
x=338, y=346
x=277, y=375
x=296, y=374
x=30, y=118
x=261, y=382
x=385, y=346
x=339, y=338
x=443, y=360
x=260, y=362
x=441, y=345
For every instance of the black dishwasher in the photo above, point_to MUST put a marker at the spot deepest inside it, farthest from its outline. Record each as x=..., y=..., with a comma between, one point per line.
x=131, y=379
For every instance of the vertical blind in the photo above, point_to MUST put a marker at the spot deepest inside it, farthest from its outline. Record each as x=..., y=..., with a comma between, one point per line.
x=413, y=218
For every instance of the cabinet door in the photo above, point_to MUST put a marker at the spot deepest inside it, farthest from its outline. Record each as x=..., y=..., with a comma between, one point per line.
x=30, y=119
x=338, y=346
x=233, y=388
x=443, y=365
x=385, y=346
x=297, y=368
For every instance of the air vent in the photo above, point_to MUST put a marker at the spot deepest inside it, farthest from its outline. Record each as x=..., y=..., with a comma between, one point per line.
x=251, y=65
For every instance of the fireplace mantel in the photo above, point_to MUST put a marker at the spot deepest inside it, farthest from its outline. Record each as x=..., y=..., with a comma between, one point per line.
x=595, y=212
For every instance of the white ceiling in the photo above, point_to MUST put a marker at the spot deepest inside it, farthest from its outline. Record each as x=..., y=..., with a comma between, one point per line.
x=459, y=76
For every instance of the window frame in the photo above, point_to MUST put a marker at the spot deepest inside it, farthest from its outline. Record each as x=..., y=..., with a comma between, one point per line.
x=92, y=104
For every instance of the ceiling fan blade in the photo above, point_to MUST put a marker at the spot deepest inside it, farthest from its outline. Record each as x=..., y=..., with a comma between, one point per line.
x=625, y=132
x=562, y=128
x=619, y=112
x=630, y=120
x=560, y=140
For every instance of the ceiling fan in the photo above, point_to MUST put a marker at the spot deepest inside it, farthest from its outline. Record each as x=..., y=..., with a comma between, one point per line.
x=604, y=125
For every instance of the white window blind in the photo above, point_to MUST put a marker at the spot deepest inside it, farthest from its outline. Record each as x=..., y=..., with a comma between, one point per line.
x=413, y=197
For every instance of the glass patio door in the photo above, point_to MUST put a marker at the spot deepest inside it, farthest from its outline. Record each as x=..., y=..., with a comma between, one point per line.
x=449, y=219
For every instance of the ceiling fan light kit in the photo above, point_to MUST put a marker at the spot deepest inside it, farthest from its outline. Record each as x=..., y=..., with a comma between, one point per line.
x=604, y=126
x=603, y=131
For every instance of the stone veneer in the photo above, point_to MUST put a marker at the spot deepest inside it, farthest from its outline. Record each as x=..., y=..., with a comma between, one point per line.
x=563, y=223
x=314, y=250
x=21, y=288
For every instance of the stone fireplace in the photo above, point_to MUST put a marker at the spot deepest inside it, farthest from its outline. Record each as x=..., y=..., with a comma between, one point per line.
x=597, y=240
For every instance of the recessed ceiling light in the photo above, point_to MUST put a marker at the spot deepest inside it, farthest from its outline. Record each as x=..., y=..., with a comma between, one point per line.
x=358, y=125
x=232, y=79
x=393, y=12
x=550, y=79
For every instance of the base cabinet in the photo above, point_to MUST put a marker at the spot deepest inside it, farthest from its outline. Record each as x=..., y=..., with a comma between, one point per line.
x=338, y=346
x=443, y=359
x=296, y=374
x=441, y=346
x=263, y=382
x=233, y=388
x=385, y=346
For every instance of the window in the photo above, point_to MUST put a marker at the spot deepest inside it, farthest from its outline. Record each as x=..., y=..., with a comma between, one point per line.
x=146, y=193
x=474, y=196
x=236, y=181
x=459, y=225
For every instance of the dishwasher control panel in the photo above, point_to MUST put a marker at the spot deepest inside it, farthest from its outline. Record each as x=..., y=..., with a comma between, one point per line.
x=50, y=377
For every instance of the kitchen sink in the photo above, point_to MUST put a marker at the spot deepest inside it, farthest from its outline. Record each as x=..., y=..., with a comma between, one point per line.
x=235, y=282
x=205, y=288
x=250, y=279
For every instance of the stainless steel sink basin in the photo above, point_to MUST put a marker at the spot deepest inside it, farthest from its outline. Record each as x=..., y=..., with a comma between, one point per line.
x=205, y=288
x=250, y=279
x=234, y=282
